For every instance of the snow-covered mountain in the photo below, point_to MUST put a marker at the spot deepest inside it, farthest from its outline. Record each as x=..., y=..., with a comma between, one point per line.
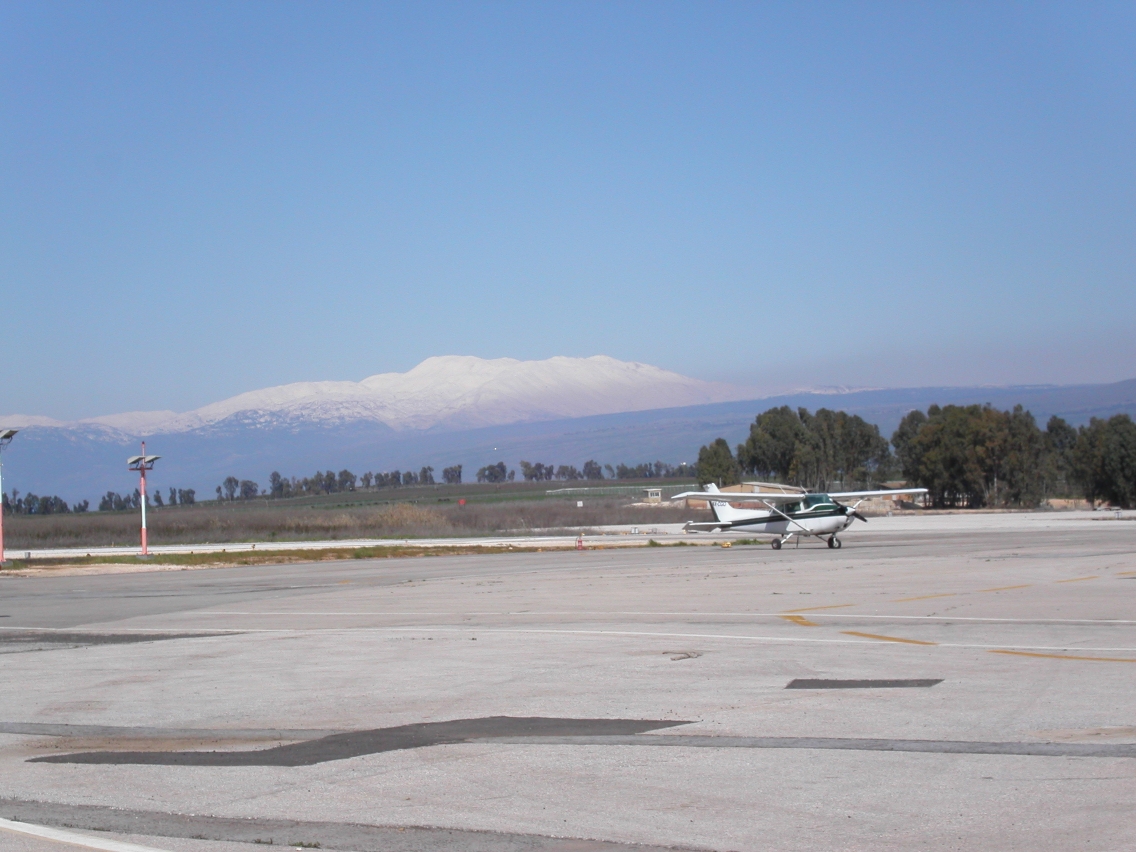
x=448, y=392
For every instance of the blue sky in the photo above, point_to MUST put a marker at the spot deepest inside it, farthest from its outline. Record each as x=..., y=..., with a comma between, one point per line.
x=201, y=199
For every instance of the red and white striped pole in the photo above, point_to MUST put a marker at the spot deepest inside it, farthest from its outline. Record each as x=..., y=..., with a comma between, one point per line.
x=142, y=464
x=142, y=470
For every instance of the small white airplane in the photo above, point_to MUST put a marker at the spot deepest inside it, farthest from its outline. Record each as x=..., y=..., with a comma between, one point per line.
x=785, y=515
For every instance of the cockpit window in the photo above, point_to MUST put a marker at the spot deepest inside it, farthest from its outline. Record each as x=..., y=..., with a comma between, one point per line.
x=812, y=500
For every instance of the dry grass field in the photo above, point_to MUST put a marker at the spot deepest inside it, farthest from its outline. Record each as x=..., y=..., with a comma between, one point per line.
x=421, y=513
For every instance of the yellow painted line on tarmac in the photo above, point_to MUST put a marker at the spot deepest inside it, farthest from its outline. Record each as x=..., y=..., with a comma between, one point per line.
x=887, y=638
x=1006, y=588
x=1076, y=580
x=1126, y=574
x=815, y=608
x=1065, y=656
x=924, y=597
x=801, y=620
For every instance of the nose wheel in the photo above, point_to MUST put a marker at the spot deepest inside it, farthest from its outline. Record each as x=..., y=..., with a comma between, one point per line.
x=834, y=543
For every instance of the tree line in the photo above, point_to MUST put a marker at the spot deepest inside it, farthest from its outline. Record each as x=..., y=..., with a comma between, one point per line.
x=966, y=456
x=34, y=504
x=321, y=482
x=114, y=502
x=594, y=471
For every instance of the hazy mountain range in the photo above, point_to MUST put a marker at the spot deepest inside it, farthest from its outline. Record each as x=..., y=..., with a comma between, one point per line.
x=462, y=410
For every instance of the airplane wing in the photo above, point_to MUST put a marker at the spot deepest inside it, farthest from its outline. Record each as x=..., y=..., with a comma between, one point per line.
x=860, y=495
x=741, y=497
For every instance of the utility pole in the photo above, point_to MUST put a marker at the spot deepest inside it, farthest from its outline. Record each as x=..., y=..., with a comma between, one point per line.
x=142, y=464
x=6, y=436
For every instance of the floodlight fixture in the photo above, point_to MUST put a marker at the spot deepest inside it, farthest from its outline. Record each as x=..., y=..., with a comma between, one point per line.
x=142, y=464
x=6, y=436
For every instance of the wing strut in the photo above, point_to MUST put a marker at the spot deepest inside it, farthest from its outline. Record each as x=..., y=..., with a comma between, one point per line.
x=773, y=508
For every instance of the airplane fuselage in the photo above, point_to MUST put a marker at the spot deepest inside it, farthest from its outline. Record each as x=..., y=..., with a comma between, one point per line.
x=815, y=514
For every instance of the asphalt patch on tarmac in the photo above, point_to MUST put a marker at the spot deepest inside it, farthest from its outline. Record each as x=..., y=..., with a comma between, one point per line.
x=296, y=833
x=360, y=743
x=911, y=683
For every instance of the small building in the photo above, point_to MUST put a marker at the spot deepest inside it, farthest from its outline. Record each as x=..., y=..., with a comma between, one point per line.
x=654, y=495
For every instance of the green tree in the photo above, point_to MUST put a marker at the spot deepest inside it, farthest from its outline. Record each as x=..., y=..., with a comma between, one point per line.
x=717, y=464
x=771, y=447
x=973, y=455
x=1060, y=441
x=907, y=452
x=1104, y=460
x=592, y=470
x=1024, y=461
x=493, y=473
x=814, y=450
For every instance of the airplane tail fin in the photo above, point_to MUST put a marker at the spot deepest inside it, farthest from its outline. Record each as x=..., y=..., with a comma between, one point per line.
x=722, y=511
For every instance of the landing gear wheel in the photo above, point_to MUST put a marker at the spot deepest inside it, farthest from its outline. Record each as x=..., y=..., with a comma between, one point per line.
x=776, y=544
x=834, y=543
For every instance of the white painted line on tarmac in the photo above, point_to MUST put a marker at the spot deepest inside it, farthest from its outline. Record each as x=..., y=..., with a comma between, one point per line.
x=83, y=840
x=585, y=613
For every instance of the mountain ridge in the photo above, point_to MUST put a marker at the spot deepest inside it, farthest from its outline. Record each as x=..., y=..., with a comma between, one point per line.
x=452, y=391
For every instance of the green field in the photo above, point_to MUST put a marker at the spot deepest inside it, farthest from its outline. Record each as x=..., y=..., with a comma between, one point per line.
x=416, y=512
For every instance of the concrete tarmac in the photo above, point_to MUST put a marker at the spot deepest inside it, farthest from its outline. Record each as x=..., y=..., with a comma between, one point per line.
x=941, y=682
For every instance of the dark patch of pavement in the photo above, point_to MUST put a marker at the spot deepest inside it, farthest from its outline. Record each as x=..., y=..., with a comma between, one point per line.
x=808, y=683
x=359, y=743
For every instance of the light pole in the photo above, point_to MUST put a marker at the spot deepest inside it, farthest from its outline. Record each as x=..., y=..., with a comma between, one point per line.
x=6, y=436
x=142, y=464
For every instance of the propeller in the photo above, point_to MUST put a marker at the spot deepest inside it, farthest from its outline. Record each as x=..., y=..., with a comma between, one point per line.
x=851, y=510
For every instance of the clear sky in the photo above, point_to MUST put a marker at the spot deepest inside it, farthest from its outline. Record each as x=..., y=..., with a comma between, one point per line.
x=201, y=199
